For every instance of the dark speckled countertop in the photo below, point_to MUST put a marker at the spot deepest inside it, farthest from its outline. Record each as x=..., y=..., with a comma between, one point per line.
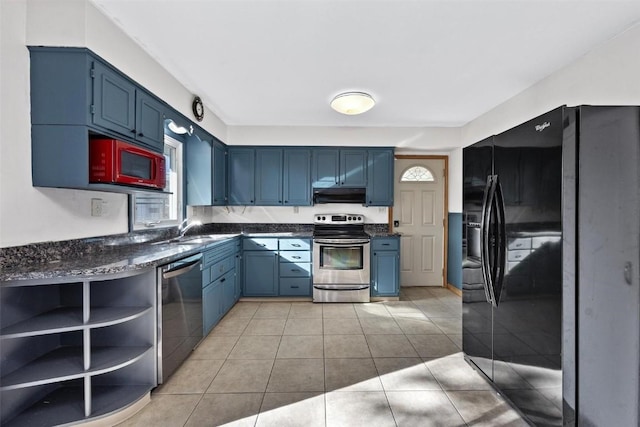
x=120, y=258
x=86, y=258
x=115, y=259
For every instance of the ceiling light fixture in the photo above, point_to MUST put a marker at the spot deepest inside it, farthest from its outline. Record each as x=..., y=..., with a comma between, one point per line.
x=352, y=103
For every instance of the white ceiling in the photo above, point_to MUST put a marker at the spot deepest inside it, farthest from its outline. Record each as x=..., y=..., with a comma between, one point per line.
x=427, y=63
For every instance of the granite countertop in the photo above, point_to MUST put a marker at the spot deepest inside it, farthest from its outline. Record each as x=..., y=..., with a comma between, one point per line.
x=383, y=234
x=52, y=262
x=115, y=259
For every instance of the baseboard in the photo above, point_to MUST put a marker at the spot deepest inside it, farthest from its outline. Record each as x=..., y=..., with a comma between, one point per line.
x=454, y=289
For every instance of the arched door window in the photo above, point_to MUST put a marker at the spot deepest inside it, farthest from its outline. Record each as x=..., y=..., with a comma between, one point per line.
x=417, y=174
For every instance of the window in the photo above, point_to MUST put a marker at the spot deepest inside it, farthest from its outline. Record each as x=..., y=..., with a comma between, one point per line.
x=162, y=210
x=417, y=173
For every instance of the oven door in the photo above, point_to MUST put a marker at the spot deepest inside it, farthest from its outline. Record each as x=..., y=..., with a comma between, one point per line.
x=341, y=262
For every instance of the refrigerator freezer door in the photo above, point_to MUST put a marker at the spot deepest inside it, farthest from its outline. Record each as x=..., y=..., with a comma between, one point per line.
x=608, y=230
x=477, y=311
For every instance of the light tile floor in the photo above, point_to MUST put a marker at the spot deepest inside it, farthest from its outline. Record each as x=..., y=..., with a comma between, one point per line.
x=396, y=363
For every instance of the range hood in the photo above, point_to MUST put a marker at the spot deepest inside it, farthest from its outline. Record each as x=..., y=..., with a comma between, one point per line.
x=339, y=195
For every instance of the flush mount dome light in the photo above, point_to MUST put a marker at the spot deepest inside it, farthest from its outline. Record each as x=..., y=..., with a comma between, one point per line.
x=352, y=103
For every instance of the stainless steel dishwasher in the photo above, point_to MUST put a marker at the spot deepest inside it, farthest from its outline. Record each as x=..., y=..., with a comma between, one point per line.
x=179, y=312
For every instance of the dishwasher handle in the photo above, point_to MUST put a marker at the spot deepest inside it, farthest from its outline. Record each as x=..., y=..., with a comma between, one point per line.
x=180, y=270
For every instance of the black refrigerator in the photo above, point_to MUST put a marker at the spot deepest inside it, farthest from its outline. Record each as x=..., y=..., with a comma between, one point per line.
x=550, y=265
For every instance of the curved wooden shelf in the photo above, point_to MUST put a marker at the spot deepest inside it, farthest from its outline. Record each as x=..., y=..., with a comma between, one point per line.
x=66, y=363
x=70, y=319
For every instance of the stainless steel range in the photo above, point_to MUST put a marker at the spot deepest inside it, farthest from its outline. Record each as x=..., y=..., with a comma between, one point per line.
x=341, y=265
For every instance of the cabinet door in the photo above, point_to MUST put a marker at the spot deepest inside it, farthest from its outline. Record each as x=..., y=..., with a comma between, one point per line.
x=238, y=278
x=149, y=121
x=114, y=101
x=380, y=178
x=326, y=171
x=268, y=177
x=385, y=274
x=211, y=305
x=241, y=176
x=228, y=291
x=353, y=168
x=198, y=171
x=219, y=174
x=260, y=273
x=297, y=177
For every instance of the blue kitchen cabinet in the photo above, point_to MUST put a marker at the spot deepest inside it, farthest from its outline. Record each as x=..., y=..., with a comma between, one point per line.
x=114, y=100
x=297, y=177
x=150, y=115
x=295, y=267
x=260, y=273
x=385, y=266
x=268, y=177
x=326, y=168
x=339, y=168
x=219, y=274
x=211, y=305
x=121, y=106
x=380, y=178
x=260, y=266
x=219, y=174
x=228, y=291
x=238, y=277
x=76, y=95
x=198, y=171
x=241, y=176
x=353, y=168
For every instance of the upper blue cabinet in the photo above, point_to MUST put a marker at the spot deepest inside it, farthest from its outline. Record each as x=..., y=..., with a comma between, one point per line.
x=72, y=86
x=219, y=174
x=269, y=176
x=76, y=95
x=339, y=167
x=380, y=177
x=241, y=176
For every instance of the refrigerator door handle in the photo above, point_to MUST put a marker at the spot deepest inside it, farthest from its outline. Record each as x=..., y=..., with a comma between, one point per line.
x=501, y=244
x=487, y=208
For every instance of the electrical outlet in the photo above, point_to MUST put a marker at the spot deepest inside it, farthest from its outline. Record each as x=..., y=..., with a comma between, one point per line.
x=96, y=207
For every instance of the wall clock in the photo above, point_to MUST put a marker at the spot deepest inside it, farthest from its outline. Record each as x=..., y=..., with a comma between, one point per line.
x=198, y=108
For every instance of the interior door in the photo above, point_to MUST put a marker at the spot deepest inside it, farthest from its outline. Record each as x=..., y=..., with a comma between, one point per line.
x=419, y=216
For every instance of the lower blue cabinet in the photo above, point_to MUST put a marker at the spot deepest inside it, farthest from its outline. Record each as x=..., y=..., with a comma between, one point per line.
x=220, y=282
x=385, y=267
x=211, y=305
x=260, y=273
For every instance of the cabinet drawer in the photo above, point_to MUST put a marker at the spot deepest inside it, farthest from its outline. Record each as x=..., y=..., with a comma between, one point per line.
x=218, y=253
x=295, y=287
x=384, y=244
x=260, y=244
x=295, y=256
x=519, y=243
x=539, y=241
x=289, y=269
x=295, y=244
x=221, y=267
x=517, y=255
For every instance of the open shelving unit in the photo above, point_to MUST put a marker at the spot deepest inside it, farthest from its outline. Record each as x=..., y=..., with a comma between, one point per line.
x=73, y=350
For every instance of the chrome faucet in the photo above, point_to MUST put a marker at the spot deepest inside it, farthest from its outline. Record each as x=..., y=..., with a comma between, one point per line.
x=186, y=226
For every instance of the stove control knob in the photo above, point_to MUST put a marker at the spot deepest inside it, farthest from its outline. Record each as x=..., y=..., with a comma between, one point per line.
x=324, y=217
x=359, y=218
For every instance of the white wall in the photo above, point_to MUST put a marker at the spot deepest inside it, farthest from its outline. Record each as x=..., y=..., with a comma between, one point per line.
x=608, y=75
x=29, y=214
